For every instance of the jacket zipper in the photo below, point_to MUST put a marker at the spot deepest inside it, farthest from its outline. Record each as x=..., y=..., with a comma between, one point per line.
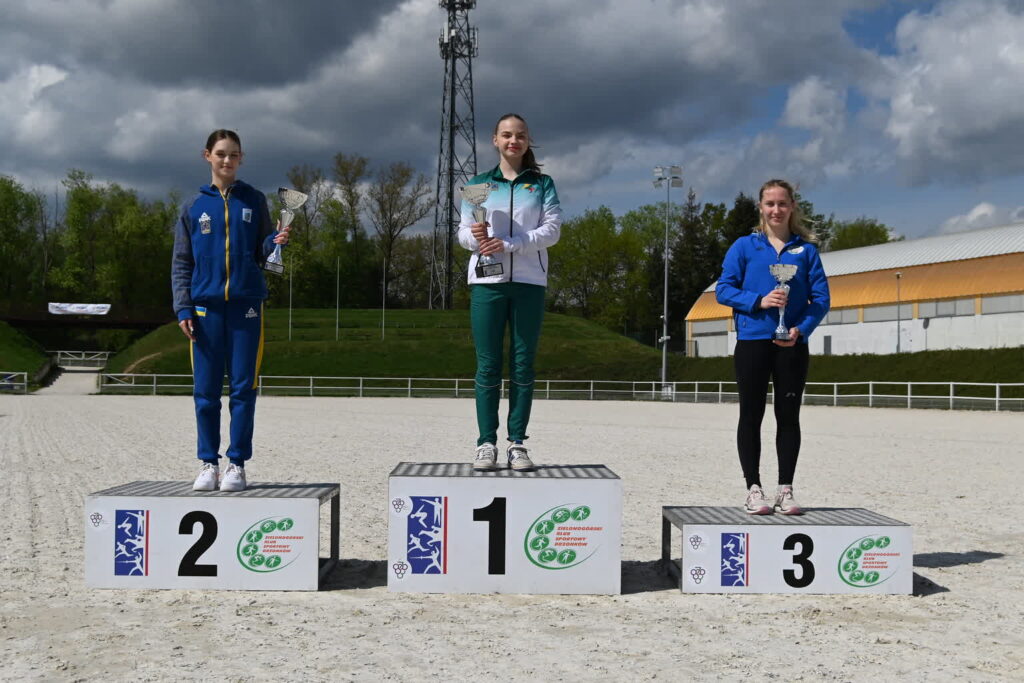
x=227, y=245
x=511, y=226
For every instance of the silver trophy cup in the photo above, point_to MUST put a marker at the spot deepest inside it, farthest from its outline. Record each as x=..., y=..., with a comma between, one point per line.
x=291, y=200
x=783, y=273
x=476, y=195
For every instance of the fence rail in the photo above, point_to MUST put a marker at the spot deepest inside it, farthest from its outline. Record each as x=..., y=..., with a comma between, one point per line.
x=80, y=359
x=948, y=395
x=13, y=382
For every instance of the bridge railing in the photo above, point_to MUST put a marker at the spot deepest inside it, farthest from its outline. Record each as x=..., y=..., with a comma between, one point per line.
x=948, y=395
x=80, y=359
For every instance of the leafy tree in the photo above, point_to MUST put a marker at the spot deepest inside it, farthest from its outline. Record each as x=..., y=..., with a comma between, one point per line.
x=20, y=211
x=860, y=232
x=397, y=199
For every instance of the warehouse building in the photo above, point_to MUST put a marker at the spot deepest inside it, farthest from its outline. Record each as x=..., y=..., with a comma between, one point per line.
x=957, y=291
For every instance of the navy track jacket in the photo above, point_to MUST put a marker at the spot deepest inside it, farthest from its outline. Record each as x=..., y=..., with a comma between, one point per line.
x=746, y=278
x=221, y=242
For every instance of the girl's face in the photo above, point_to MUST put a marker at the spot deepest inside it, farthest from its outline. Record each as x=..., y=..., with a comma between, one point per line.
x=512, y=140
x=776, y=207
x=224, y=159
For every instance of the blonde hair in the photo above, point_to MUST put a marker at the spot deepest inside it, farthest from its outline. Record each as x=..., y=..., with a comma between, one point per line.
x=797, y=225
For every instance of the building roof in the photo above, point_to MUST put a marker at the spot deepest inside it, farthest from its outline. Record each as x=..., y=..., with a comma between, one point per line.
x=980, y=262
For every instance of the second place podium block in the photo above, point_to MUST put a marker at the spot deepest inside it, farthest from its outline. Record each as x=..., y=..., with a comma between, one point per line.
x=555, y=530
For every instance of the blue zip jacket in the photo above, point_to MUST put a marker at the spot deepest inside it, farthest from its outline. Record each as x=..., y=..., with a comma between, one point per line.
x=221, y=242
x=746, y=279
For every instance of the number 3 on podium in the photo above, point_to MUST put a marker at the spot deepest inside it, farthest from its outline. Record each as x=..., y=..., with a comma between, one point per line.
x=801, y=559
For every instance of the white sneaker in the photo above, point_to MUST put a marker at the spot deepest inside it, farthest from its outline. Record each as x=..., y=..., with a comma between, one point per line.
x=233, y=479
x=208, y=478
x=785, y=503
x=519, y=458
x=757, y=503
x=486, y=457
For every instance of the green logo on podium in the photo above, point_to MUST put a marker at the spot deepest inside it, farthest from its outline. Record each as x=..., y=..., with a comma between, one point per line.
x=266, y=546
x=560, y=538
x=868, y=561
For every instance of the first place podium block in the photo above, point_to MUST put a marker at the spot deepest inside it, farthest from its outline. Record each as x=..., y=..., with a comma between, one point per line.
x=162, y=534
x=557, y=529
x=825, y=550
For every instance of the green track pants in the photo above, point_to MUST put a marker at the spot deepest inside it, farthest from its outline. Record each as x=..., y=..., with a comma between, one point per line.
x=492, y=307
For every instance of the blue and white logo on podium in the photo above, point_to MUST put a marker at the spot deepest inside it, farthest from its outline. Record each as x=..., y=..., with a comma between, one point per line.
x=131, y=543
x=427, y=548
x=734, y=559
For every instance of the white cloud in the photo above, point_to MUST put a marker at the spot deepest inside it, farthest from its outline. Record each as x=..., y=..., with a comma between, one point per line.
x=983, y=215
x=956, y=91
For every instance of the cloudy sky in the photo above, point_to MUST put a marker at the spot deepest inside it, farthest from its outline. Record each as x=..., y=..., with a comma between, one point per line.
x=908, y=112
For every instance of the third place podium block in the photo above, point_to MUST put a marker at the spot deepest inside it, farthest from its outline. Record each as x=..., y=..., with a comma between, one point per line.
x=825, y=550
x=453, y=530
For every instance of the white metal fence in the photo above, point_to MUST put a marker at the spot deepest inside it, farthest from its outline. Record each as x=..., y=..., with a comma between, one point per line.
x=80, y=359
x=13, y=382
x=948, y=395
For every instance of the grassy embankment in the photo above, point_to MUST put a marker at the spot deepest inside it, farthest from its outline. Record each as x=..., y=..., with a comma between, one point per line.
x=18, y=353
x=439, y=344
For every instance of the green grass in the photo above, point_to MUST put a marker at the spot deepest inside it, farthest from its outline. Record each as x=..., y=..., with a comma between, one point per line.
x=18, y=353
x=439, y=344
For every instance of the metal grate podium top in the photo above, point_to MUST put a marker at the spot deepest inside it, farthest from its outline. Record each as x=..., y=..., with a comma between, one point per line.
x=181, y=489
x=680, y=515
x=465, y=469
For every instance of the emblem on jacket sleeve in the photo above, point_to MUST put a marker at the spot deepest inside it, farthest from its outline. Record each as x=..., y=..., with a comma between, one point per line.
x=204, y=223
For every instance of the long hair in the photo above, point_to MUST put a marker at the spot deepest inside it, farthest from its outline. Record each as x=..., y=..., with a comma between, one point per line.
x=529, y=161
x=221, y=134
x=797, y=225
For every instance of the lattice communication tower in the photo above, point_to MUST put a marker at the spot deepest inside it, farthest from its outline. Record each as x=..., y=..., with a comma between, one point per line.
x=456, y=163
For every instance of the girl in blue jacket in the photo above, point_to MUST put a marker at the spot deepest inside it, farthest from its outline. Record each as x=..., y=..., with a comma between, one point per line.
x=749, y=288
x=525, y=218
x=221, y=242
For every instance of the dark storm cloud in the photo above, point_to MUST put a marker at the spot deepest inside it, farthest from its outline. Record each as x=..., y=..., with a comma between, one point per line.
x=175, y=42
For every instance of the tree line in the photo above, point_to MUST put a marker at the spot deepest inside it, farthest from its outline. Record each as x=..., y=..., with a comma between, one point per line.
x=102, y=242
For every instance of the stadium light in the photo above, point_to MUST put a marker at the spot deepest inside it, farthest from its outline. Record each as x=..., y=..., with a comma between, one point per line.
x=673, y=178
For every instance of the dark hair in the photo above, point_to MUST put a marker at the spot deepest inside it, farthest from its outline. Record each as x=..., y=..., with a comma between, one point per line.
x=222, y=134
x=529, y=161
x=796, y=216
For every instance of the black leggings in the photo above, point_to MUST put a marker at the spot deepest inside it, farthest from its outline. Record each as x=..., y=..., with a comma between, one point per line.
x=757, y=361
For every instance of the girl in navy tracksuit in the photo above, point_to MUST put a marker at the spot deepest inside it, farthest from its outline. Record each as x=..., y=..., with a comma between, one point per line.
x=221, y=241
x=749, y=288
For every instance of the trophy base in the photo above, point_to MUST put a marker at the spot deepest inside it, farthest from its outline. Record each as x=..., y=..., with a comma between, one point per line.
x=779, y=335
x=489, y=270
x=271, y=267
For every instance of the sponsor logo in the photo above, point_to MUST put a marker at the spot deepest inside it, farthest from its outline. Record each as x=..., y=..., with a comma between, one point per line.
x=560, y=538
x=96, y=519
x=204, y=223
x=796, y=250
x=252, y=313
x=398, y=504
x=697, y=542
x=247, y=215
x=201, y=311
x=735, y=559
x=269, y=545
x=697, y=574
x=400, y=568
x=131, y=542
x=530, y=188
x=869, y=561
x=426, y=547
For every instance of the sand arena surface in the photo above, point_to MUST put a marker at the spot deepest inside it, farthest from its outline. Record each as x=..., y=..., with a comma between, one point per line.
x=953, y=475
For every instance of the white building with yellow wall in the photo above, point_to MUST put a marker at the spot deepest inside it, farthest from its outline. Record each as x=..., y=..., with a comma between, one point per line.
x=957, y=291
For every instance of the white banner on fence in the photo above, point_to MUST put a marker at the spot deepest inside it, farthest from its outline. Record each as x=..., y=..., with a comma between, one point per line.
x=79, y=309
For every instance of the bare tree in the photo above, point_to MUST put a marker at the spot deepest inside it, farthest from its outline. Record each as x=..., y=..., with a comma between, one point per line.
x=397, y=199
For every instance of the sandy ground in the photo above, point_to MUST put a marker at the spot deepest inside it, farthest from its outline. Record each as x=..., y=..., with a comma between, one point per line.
x=953, y=475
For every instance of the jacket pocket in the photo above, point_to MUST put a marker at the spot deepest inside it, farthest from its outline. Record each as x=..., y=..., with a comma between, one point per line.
x=202, y=277
x=251, y=282
x=540, y=260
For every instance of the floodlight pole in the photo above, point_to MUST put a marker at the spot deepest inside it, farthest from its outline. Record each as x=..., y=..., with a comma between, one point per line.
x=672, y=177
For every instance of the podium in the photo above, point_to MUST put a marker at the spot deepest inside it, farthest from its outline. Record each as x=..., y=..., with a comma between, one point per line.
x=162, y=534
x=557, y=529
x=825, y=550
